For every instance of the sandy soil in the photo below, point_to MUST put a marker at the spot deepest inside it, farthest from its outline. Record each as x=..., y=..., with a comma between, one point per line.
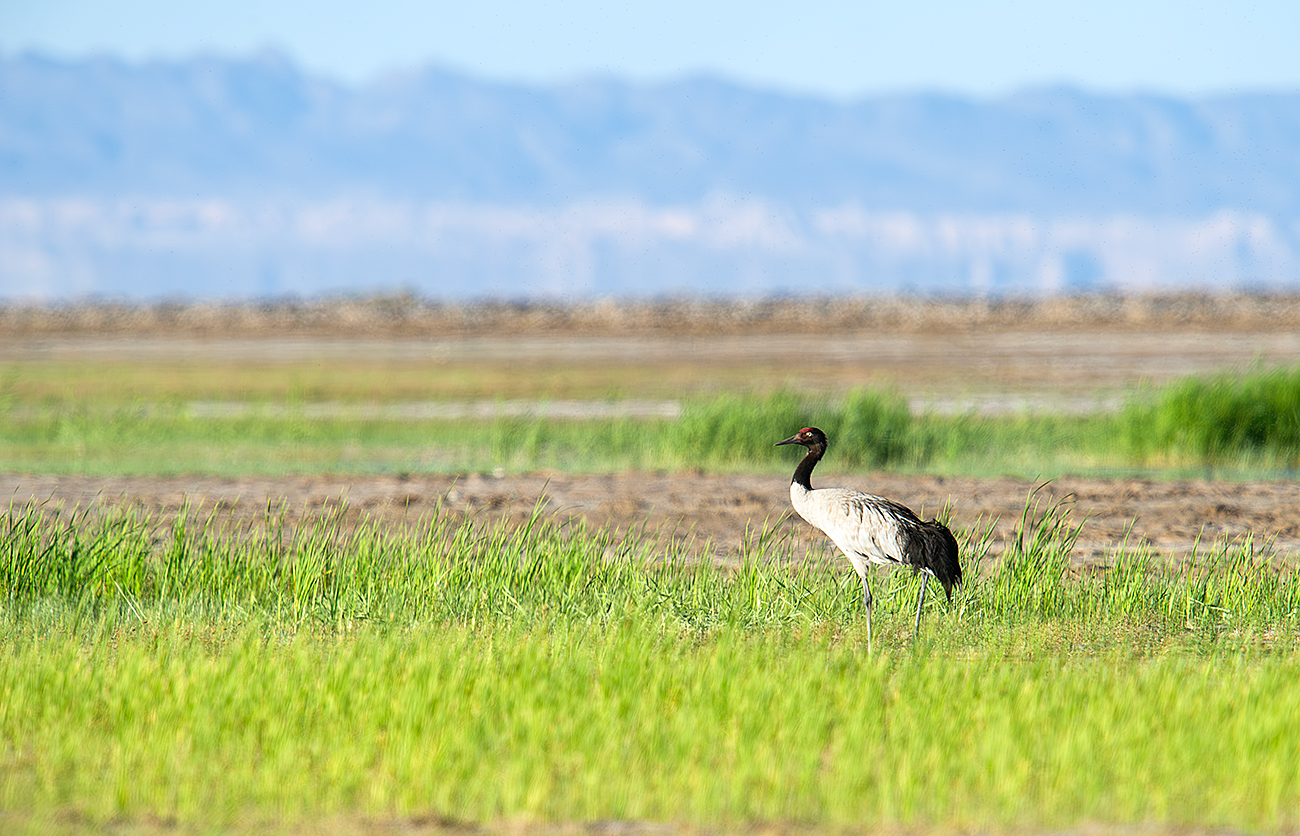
x=1169, y=515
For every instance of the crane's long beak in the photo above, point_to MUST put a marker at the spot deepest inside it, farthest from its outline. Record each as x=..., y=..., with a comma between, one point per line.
x=794, y=439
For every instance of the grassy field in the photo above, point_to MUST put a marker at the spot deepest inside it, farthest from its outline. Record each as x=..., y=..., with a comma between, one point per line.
x=1234, y=422
x=196, y=677
x=213, y=673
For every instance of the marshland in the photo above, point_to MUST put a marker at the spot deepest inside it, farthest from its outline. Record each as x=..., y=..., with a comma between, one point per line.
x=379, y=565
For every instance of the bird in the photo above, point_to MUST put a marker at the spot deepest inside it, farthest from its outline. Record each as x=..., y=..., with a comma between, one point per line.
x=871, y=529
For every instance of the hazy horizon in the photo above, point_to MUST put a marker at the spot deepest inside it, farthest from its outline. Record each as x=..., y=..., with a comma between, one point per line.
x=252, y=177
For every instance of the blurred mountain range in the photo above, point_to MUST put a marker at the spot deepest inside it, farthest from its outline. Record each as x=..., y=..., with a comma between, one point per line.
x=220, y=177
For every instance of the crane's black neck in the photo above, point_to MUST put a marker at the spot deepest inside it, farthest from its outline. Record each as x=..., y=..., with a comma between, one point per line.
x=803, y=473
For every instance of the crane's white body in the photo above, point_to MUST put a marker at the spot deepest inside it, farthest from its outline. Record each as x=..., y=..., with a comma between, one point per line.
x=867, y=528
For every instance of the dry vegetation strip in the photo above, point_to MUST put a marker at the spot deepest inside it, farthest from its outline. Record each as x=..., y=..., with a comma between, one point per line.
x=409, y=316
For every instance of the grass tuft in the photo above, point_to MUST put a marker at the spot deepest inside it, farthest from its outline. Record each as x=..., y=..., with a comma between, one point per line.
x=1218, y=420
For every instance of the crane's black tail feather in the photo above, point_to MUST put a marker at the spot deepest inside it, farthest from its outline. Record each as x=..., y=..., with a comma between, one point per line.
x=938, y=555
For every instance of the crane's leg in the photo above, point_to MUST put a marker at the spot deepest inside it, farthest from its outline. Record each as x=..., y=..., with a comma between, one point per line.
x=916, y=627
x=866, y=602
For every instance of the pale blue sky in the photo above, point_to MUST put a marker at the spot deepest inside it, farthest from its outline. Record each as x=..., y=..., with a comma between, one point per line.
x=832, y=48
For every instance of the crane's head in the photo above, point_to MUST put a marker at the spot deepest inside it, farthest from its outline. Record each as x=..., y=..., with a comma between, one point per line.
x=809, y=437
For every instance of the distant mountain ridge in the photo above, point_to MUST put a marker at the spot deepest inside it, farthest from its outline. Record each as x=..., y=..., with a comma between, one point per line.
x=259, y=126
x=247, y=178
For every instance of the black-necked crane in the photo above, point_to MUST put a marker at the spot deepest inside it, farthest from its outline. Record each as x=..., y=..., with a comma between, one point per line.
x=871, y=529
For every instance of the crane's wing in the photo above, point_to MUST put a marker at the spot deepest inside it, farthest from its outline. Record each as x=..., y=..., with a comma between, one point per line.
x=883, y=531
x=859, y=523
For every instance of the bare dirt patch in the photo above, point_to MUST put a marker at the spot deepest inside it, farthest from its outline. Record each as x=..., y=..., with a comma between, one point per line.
x=692, y=510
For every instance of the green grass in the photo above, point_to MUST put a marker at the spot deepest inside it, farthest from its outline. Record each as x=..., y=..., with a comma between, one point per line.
x=443, y=570
x=207, y=676
x=728, y=432
x=115, y=417
x=1247, y=424
x=1219, y=420
x=554, y=722
x=210, y=674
